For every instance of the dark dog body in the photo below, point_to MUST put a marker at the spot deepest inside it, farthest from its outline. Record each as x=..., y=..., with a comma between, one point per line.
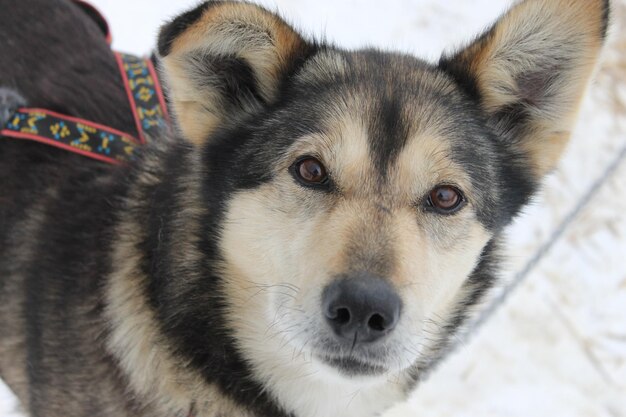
x=194, y=279
x=57, y=57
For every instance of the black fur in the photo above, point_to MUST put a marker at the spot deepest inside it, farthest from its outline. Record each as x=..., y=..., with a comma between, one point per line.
x=198, y=326
x=456, y=67
x=230, y=75
x=95, y=15
x=606, y=18
x=242, y=157
x=59, y=212
x=53, y=184
x=43, y=52
x=171, y=30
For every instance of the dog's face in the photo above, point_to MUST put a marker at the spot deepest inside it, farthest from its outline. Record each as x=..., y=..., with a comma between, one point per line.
x=367, y=189
x=381, y=193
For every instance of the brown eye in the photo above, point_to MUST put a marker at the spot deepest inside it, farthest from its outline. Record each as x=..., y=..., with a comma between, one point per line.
x=311, y=171
x=445, y=199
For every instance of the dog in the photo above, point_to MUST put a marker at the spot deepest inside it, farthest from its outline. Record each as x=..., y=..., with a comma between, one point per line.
x=308, y=240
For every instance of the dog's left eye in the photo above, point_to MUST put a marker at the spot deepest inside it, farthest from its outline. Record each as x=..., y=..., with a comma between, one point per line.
x=445, y=199
x=310, y=171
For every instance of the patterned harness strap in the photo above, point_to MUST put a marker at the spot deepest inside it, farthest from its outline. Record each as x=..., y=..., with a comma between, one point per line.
x=144, y=94
x=91, y=139
x=75, y=135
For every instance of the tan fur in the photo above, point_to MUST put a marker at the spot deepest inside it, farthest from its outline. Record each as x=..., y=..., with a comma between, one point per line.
x=282, y=245
x=13, y=351
x=389, y=129
x=279, y=257
x=143, y=352
x=248, y=32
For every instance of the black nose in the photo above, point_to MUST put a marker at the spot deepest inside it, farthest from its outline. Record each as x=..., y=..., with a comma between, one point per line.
x=361, y=308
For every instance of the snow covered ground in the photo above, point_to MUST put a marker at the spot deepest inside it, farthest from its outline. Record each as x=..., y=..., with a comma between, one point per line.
x=557, y=347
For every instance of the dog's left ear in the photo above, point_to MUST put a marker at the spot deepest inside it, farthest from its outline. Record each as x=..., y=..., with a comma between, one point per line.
x=530, y=71
x=223, y=60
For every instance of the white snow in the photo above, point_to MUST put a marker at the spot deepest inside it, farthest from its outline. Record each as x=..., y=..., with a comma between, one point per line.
x=558, y=346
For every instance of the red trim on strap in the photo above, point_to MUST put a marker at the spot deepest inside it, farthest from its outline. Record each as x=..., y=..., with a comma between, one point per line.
x=78, y=120
x=159, y=90
x=129, y=95
x=21, y=135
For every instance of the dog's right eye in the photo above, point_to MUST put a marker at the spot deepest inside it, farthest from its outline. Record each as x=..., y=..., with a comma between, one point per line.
x=445, y=199
x=310, y=171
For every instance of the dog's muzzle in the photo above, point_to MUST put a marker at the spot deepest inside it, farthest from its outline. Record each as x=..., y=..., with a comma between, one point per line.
x=361, y=309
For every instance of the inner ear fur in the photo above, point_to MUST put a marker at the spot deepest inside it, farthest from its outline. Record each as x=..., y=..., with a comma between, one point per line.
x=223, y=60
x=530, y=70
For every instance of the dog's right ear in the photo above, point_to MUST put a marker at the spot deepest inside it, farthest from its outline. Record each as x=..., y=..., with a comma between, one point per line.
x=225, y=59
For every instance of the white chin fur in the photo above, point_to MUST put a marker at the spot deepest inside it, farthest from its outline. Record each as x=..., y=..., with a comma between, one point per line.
x=307, y=387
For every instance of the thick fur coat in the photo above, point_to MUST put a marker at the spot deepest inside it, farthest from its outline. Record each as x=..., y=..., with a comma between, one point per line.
x=305, y=244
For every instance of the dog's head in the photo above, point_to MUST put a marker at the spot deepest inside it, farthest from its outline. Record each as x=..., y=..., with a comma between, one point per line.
x=361, y=193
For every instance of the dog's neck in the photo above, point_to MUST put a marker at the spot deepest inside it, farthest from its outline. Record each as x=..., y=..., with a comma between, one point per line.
x=146, y=351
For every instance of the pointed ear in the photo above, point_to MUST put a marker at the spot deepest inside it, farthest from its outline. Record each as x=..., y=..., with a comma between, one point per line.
x=530, y=71
x=223, y=60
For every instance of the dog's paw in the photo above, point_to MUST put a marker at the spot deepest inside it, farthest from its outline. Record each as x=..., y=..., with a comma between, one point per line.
x=10, y=101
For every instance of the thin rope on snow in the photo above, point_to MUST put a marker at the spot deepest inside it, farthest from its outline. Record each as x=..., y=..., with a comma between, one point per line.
x=541, y=252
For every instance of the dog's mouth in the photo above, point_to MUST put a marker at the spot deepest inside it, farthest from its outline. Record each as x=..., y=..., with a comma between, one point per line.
x=353, y=366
